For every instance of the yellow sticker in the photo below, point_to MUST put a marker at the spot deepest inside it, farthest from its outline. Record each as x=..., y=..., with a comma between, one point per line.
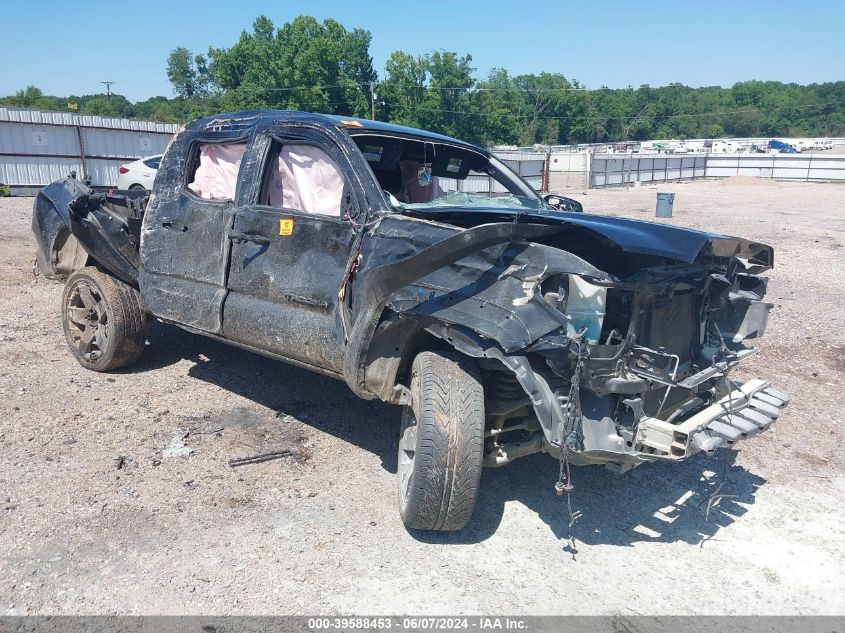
x=286, y=226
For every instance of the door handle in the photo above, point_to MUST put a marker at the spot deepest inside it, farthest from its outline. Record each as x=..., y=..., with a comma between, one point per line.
x=248, y=237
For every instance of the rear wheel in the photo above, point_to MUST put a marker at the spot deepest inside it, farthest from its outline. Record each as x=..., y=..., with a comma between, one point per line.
x=441, y=443
x=137, y=187
x=103, y=320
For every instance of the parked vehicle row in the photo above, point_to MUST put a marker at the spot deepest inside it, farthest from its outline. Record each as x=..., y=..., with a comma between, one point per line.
x=718, y=146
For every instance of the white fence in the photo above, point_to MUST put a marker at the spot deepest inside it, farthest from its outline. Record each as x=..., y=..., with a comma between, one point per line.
x=38, y=147
x=806, y=167
x=634, y=146
x=609, y=170
x=568, y=171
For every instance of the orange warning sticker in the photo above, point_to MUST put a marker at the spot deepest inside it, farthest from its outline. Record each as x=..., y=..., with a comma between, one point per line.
x=286, y=226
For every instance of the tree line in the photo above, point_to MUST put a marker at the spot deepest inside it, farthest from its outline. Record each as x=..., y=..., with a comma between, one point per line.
x=324, y=67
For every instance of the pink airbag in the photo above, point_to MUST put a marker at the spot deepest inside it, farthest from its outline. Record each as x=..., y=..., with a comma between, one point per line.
x=306, y=179
x=217, y=174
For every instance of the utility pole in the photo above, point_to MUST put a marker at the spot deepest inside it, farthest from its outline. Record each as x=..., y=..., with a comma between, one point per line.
x=373, y=100
x=108, y=85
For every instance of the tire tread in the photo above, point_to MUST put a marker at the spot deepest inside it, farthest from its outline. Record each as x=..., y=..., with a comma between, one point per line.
x=450, y=428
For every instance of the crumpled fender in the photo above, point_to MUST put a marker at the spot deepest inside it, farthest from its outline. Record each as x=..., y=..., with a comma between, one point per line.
x=524, y=264
x=74, y=205
x=495, y=292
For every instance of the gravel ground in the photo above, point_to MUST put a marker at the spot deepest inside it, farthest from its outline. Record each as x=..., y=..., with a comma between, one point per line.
x=95, y=518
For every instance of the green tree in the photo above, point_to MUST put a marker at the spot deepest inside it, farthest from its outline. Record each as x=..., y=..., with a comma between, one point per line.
x=26, y=98
x=714, y=130
x=324, y=67
x=496, y=101
x=404, y=87
x=188, y=74
x=102, y=105
x=446, y=102
x=304, y=65
x=541, y=104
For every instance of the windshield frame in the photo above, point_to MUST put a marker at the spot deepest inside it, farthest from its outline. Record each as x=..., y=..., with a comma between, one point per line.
x=516, y=185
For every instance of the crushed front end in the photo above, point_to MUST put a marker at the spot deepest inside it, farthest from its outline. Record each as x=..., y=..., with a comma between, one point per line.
x=642, y=370
x=608, y=345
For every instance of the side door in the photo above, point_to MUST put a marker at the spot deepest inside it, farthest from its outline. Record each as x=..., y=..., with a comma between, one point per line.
x=185, y=245
x=292, y=241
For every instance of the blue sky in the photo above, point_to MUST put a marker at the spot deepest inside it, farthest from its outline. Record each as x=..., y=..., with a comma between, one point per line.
x=66, y=50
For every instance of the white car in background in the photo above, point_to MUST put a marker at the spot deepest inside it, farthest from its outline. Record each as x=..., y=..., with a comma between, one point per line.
x=139, y=174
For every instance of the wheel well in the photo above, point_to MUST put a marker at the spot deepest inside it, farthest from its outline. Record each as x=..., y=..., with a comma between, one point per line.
x=422, y=341
x=68, y=255
x=392, y=351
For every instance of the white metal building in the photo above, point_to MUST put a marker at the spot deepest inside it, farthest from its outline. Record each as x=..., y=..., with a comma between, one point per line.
x=38, y=147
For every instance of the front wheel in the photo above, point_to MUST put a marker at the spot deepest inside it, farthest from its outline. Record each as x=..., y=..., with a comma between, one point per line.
x=441, y=443
x=103, y=320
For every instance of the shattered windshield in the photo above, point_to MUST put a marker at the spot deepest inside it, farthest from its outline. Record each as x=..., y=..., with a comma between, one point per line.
x=416, y=173
x=461, y=199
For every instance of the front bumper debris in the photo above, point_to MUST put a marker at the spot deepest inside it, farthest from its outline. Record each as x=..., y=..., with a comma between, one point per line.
x=744, y=412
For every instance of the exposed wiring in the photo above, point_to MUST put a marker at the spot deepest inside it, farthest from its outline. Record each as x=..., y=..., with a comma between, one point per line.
x=713, y=499
x=362, y=225
x=572, y=424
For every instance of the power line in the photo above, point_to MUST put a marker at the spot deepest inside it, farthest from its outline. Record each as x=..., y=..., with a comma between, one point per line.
x=584, y=116
x=368, y=91
x=512, y=115
x=467, y=89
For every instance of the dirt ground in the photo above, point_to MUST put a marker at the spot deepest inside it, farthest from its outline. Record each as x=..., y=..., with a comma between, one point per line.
x=96, y=518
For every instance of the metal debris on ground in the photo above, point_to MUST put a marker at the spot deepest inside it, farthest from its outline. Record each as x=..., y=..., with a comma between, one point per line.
x=264, y=457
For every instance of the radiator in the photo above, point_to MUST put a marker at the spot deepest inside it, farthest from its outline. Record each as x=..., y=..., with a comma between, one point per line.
x=674, y=327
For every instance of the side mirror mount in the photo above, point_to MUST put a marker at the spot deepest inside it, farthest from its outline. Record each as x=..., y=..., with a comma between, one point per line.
x=562, y=203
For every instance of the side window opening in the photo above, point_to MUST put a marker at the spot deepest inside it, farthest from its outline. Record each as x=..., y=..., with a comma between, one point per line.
x=400, y=167
x=304, y=178
x=215, y=168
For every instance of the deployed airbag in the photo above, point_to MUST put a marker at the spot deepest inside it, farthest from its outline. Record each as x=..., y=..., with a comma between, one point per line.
x=217, y=174
x=306, y=179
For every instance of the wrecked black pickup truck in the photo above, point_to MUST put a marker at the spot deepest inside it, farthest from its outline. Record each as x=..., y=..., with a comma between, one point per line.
x=423, y=272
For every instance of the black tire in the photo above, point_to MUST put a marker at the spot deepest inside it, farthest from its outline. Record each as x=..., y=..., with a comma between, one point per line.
x=441, y=443
x=137, y=187
x=103, y=320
